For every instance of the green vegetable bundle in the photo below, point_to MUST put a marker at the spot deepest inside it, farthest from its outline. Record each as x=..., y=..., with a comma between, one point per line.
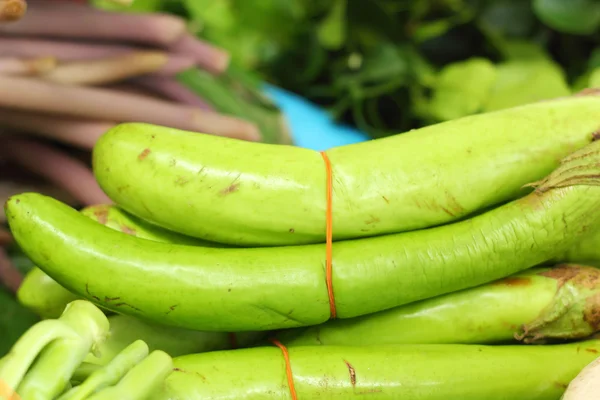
x=467, y=233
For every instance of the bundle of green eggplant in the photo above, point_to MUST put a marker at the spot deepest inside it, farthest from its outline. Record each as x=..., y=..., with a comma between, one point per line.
x=453, y=261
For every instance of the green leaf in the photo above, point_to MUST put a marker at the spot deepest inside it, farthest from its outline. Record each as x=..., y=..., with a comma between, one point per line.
x=580, y=17
x=526, y=81
x=332, y=30
x=512, y=18
x=14, y=321
x=461, y=89
x=382, y=63
x=594, y=60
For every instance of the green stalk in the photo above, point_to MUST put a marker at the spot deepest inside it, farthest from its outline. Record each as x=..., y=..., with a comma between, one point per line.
x=534, y=306
x=415, y=372
x=143, y=380
x=83, y=371
x=52, y=371
x=15, y=364
x=231, y=93
x=111, y=373
x=174, y=341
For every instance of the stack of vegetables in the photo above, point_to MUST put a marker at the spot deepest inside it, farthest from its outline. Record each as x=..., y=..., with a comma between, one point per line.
x=452, y=261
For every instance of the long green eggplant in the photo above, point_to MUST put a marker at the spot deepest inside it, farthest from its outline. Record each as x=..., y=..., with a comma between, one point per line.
x=585, y=251
x=255, y=194
x=48, y=299
x=411, y=372
x=284, y=287
x=534, y=306
x=44, y=296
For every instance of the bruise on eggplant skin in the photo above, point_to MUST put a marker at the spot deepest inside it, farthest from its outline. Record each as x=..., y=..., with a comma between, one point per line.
x=234, y=187
x=561, y=385
x=181, y=181
x=128, y=305
x=591, y=314
x=143, y=154
x=352, y=373
x=372, y=220
x=102, y=215
x=453, y=203
x=587, y=277
x=87, y=290
x=433, y=205
x=596, y=135
x=128, y=230
x=190, y=373
x=171, y=308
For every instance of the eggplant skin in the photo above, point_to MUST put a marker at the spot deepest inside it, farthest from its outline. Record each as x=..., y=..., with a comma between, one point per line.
x=415, y=372
x=254, y=194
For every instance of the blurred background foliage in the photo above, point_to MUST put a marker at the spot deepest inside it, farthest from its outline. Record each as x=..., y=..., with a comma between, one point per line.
x=387, y=66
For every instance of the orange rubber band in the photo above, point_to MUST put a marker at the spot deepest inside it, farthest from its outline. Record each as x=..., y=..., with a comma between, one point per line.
x=8, y=393
x=329, y=236
x=288, y=367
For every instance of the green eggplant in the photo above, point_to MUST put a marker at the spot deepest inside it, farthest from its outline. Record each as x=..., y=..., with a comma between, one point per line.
x=584, y=251
x=255, y=194
x=415, y=372
x=252, y=289
x=534, y=306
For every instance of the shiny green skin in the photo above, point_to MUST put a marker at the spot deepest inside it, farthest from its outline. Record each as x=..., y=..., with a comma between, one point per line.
x=120, y=220
x=44, y=296
x=256, y=194
x=124, y=330
x=535, y=305
x=245, y=289
x=48, y=299
x=412, y=372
